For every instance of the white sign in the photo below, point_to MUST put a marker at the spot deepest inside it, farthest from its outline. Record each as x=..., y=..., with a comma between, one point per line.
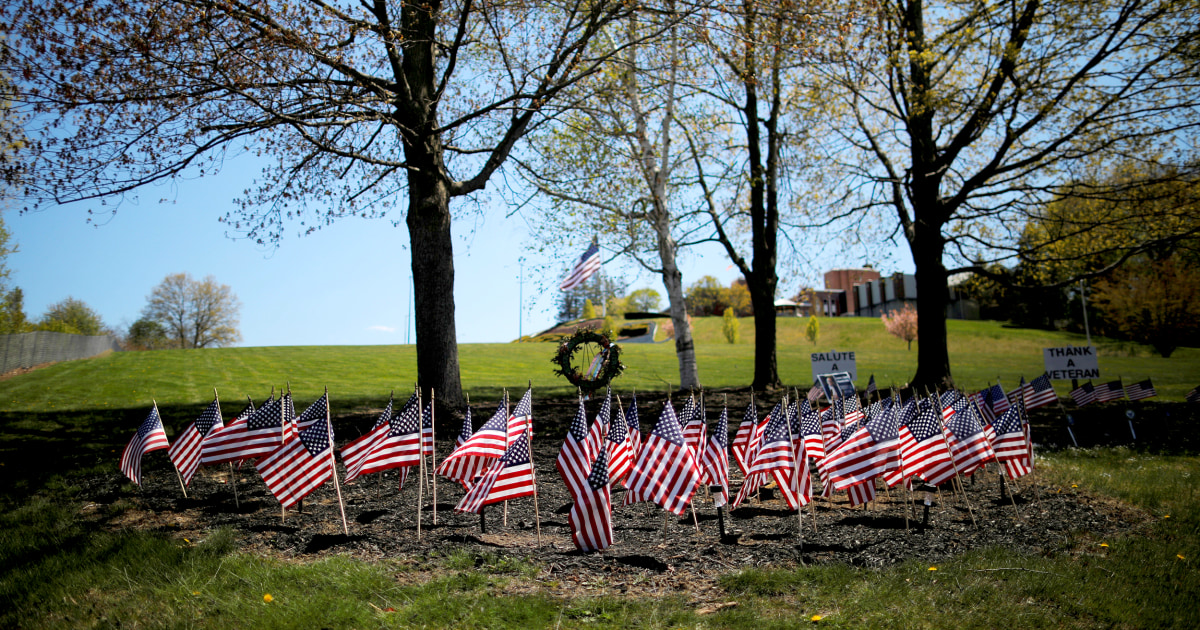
x=1071, y=362
x=834, y=361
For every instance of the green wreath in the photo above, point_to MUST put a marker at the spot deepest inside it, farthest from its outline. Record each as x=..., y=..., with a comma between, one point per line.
x=610, y=363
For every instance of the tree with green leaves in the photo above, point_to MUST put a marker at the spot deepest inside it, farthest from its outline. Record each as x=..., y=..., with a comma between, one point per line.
x=643, y=300
x=72, y=316
x=12, y=313
x=731, y=327
x=354, y=107
x=958, y=121
x=1156, y=302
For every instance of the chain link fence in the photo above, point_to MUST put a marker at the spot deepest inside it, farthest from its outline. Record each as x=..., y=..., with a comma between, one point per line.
x=29, y=349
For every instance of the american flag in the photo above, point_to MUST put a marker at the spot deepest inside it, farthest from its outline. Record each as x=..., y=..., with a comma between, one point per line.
x=831, y=426
x=814, y=393
x=905, y=414
x=355, y=453
x=694, y=430
x=476, y=451
x=511, y=477
x=743, y=441
x=1140, y=390
x=185, y=452
x=300, y=466
x=810, y=431
x=210, y=455
x=861, y=493
x=793, y=414
x=574, y=461
x=590, y=517
x=316, y=412
x=968, y=441
x=400, y=446
x=1011, y=443
x=635, y=429
x=983, y=406
x=1194, y=395
x=716, y=459
x=1110, y=391
x=997, y=399
x=427, y=429
x=287, y=409
x=870, y=451
x=1084, y=394
x=620, y=459
x=259, y=435
x=775, y=458
x=1039, y=392
x=929, y=455
x=852, y=409
x=150, y=436
x=589, y=263
x=665, y=472
x=872, y=388
x=520, y=419
x=599, y=428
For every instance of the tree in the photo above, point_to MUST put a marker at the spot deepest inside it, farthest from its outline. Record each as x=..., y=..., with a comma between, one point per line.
x=706, y=296
x=960, y=120
x=731, y=327
x=813, y=329
x=589, y=310
x=1152, y=302
x=902, y=324
x=12, y=313
x=356, y=105
x=643, y=301
x=194, y=313
x=72, y=316
x=147, y=334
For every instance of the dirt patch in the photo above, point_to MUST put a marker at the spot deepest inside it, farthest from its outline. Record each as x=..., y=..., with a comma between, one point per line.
x=19, y=371
x=653, y=555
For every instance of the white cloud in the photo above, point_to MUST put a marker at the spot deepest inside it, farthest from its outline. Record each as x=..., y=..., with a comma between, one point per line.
x=386, y=329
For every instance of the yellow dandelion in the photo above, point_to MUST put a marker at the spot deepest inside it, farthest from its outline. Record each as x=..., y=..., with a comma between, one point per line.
x=1166, y=516
x=195, y=592
x=1105, y=545
x=187, y=541
x=267, y=598
x=815, y=618
x=1074, y=485
x=1180, y=556
x=933, y=568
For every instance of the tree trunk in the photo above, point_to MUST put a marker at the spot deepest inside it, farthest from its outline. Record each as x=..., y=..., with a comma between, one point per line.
x=685, y=347
x=433, y=285
x=933, y=357
x=762, y=296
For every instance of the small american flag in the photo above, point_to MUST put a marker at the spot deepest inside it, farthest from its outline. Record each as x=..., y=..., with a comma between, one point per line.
x=489, y=441
x=1011, y=443
x=213, y=449
x=150, y=436
x=520, y=419
x=743, y=441
x=1140, y=390
x=1194, y=395
x=997, y=399
x=599, y=428
x=355, y=453
x=185, y=452
x=716, y=459
x=694, y=430
x=810, y=431
x=588, y=264
x=635, y=429
x=905, y=414
x=300, y=466
x=1084, y=394
x=400, y=446
x=968, y=441
x=259, y=435
x=984, y=406
x=861, y=493
x=665, y=472
x=574, y=461
x=590, y=517
x=467, y=461
x=511, y=477
x=929, y=456
x=871, y=450
x=815, y=393
x=315, y=413
x=1039, y=392
x=1110, y=391
x=620, y=459
x=872, y=388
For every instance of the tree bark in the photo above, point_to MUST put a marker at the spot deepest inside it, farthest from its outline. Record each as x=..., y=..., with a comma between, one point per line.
x=933, y=357
x=685, y=347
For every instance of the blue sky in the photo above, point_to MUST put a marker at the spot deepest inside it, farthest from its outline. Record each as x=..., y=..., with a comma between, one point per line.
x=347, y=284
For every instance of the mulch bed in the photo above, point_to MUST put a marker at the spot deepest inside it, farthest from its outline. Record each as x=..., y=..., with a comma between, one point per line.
x=652, y=555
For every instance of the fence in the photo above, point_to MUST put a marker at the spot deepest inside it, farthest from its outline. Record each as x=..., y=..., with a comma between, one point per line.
x=29, y=349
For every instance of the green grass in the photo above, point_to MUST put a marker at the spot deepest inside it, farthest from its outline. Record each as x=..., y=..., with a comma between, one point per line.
x=361, y=376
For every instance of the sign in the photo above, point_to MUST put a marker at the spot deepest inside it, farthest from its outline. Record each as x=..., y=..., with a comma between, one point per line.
x=1071, y=362
x=837, y=385
x=834, y=361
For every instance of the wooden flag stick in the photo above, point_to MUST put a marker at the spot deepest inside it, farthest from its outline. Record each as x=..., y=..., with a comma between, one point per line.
x=433, y=449
x=952, y=462
x=504, y=519
x=537, y=514
x=333, y=465
x=177, y=475
x=795, y=476
x=421, y=485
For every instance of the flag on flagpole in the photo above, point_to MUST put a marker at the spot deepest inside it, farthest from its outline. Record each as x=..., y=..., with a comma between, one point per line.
x=861, y=493
x=810, y=431
x=300, y=466
x=590, y=517
x=716, y=460
x=694, y=429
x=968, y=441
x=354, y=454
x=599, y=429
x=211, y=451
x=742, y=440
x=150, y=436
x=1011, y=444
x=476, y=451
x=909, y=465
x=1084, y=394
x=1194, y=395
x=185, y=452
x=620, y=460
x=1140, y=390
x=574, y=461
x=1038, y=392
x=635, y=428
x=814, y=393
x=872, y=388
x=775, y=459
x=588, y=264
x=982, y=402
x=427, y=429
x=997, y=399
x=400, y=446
x=928, y=454
x=510, y=477
x=520, y=417
x=666, y=472
x=869, y=451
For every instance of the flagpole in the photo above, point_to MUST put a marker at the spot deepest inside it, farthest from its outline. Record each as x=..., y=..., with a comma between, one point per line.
x=795, y=474
x=1014, y=501
x=537, y=515
x=421, y=484
x=177, y=475
x=504, y=515
x=946, y=440
x=333, y=465
x=812, y=503
x=433, y=448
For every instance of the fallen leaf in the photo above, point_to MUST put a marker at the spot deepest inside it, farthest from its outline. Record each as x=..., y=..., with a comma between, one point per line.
x=712, y=608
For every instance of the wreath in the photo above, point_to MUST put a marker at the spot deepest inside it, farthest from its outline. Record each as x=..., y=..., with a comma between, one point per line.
x=609, y=360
